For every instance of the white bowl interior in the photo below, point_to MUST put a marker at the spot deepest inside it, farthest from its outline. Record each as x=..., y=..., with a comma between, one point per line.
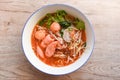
x=26, y=40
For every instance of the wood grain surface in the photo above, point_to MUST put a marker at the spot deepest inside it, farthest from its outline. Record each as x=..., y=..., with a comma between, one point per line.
x=104, y=63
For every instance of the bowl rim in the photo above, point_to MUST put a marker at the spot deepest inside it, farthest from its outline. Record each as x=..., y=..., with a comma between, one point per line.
x=66, y=5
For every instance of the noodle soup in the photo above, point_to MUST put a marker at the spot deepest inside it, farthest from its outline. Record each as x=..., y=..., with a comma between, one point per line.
x=59, y=39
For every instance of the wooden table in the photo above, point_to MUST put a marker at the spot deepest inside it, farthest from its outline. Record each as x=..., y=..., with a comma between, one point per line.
x=104, y=63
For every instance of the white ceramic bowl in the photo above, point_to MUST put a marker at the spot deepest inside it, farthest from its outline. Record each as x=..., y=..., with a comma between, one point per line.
x=26, y=40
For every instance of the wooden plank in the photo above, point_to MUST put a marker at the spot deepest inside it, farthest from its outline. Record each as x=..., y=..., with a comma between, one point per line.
x=104, y=63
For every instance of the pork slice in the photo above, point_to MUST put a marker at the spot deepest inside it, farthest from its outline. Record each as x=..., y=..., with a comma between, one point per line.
x=40, y=52
x=50, y=50
x=46, y=41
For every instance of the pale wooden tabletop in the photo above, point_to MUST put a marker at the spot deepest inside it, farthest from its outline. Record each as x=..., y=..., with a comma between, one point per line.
x=104, y=63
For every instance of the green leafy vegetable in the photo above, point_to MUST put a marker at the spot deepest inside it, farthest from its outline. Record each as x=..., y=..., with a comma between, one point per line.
x=76, y=21
x=61, y=17
x=65, y=24
x=55, y=19
x=79, y=24
x=42, y=22
x=47, y=20
x=61, y=13
x=61, y=32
